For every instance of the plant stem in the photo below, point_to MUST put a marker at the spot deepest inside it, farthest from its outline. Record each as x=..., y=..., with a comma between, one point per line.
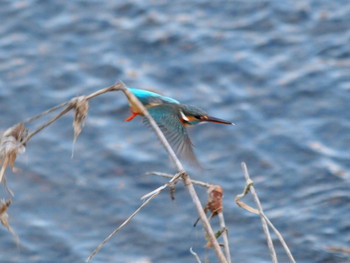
x=263, y=222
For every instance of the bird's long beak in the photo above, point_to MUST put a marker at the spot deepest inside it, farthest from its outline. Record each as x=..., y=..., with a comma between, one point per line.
x=217, y=120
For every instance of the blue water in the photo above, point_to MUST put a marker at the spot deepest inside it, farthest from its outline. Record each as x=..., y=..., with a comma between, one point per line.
x=279, y=69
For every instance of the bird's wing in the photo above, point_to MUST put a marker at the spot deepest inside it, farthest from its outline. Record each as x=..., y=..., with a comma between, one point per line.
x=168, y=119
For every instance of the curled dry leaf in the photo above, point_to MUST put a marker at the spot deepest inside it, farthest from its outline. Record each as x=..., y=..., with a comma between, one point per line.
x=11, y=145
x=81, y=106
x=215, y=194
x=247, y=207
x=214, y=204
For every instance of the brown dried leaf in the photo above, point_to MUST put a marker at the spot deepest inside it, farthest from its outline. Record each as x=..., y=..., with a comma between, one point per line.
x=3, y=168
x=4, y=205
x=12, y=158
x=19, y=132
x=247, y=207
x=3, y=212
x=214, y=204
x=11, y=145
x=81, y=106
x=81, y=110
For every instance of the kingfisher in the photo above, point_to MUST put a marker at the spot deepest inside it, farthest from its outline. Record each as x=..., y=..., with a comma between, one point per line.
x=172, y=118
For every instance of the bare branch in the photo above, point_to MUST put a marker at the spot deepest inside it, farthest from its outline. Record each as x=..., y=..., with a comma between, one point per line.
x=120, y=227
x=159, y=189
x=14, y=139
x=45, y=112
x=281, y=239
x=69, y=106
x=263, y=222
x=150, y=196
x=225, y=237
x=196, y=182
x=30, y=135
x=115, y=87
x=249, y=187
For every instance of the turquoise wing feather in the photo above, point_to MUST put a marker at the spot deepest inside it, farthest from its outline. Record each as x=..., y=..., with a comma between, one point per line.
x=167, y=116
x=148, y=97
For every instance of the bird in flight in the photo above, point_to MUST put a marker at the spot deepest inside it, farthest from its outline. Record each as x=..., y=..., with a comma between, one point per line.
x=172, y=118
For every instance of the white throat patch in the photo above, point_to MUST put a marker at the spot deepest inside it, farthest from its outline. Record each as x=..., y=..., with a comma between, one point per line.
x=183, y=116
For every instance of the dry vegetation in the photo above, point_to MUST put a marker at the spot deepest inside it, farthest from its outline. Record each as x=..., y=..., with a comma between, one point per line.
x=13, y=142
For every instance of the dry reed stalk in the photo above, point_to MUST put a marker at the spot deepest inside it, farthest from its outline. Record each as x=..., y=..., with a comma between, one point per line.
x=264, y=220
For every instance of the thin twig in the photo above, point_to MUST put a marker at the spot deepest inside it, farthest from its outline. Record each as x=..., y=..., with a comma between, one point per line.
x=45, y=112
x=173, y=179
x=225, y=237
x=281, y=239
x=247, y=188
x=263, y=222
x=115, y=87
x=150, y=196
x=195, y=255
x=30, y=135
x=98, y=248
x=196, y=182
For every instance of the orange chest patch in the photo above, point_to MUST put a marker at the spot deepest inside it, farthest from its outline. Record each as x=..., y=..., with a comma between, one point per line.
x=136, y=110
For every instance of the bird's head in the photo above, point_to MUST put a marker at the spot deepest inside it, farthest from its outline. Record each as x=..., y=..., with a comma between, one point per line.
x=191, y=115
